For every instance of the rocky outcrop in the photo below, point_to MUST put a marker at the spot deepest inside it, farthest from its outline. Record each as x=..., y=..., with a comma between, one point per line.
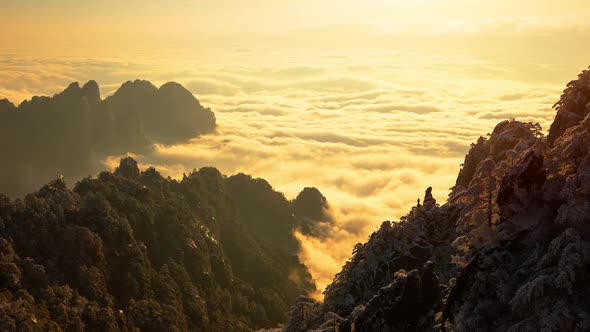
x=572, y=107
x=530, y=272
x=484, y=169
x=511, y=244
x=313, y=211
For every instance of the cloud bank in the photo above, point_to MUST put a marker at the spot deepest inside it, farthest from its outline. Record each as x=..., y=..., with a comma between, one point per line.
x=371, y=130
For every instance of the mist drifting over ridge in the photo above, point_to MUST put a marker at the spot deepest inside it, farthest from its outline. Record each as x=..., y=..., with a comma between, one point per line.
x=310, y=112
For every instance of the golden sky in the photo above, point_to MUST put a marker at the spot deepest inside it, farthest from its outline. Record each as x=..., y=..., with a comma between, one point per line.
x=370, y=101
x=134, y=23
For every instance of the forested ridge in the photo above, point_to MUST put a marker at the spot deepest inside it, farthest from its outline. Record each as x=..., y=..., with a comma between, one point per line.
x=508, y=251
x=132, y=250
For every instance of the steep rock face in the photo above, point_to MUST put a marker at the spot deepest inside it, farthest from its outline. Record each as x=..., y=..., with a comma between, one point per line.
x=132, y=250
x=507, y=139
x=572, y=107
x=512, y=243
x=486, y=164
x=521, y=186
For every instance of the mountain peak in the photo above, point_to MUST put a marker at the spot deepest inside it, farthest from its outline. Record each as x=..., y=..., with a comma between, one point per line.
x=74, y=86
x=6, y=105
x=313, y=212
x=310, y=203
x=133, y=91
x=91, y=91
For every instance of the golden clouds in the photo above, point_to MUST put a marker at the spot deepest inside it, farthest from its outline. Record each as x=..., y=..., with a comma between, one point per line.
x=370, y=128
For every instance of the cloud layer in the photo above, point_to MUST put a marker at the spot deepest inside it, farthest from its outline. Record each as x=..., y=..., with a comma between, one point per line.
x=370, y=129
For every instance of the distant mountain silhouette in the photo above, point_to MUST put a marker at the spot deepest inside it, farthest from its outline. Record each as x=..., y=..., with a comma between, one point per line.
x=508, y=251
x=71, y=132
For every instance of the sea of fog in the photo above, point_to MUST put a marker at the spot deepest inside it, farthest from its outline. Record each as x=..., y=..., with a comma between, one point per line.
x=371, y=129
